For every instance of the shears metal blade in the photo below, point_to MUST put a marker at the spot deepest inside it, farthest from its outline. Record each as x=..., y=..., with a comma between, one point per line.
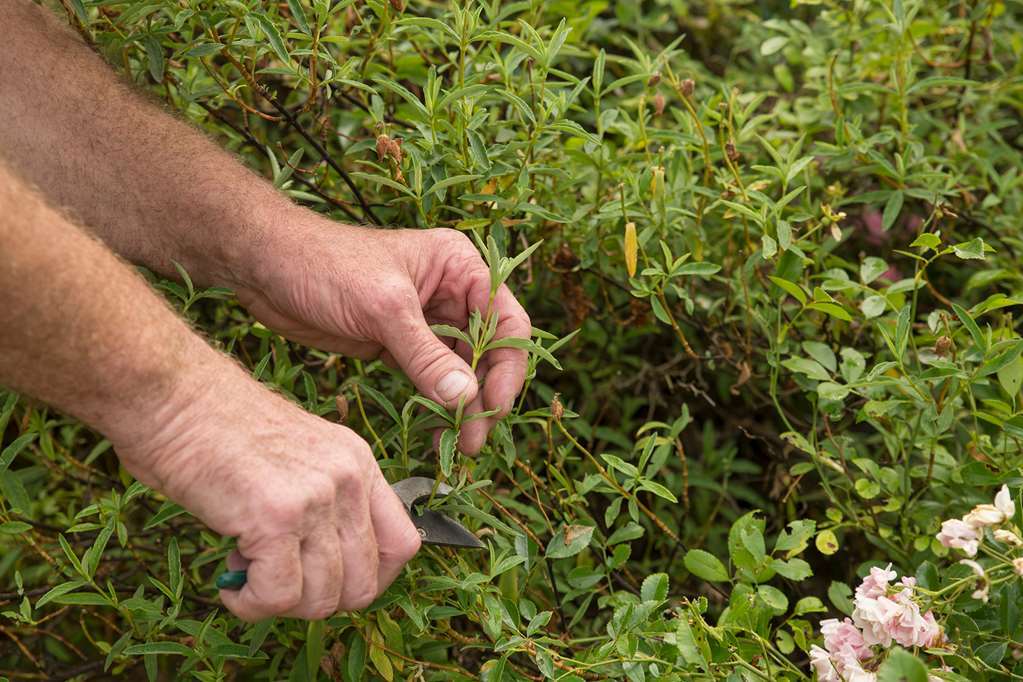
x=434, y=528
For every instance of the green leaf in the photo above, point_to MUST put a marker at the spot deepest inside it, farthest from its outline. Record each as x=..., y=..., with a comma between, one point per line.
x=971, y=327
x=452, y=332
x=774, y=598
x=1011, y=376
x=705, y=565
x=654, y=587
x=790, y=288
x=892, y=208
x=808, y=605
x=57, y=591
x=14, y=527
x=832, y=309
x=840, y=594
x=871, y=268
x=971, y=250
x=773, y=44
x=793, y=569
x=568, y=541
x=901, y=665
x=162, y=648
x=448, y=442
x=794, y=540
x=154, y=55
x=273, y=36
x=822, y=353
x=299, y=14
x=927, y=240
x=810, y=368
x=873, y=306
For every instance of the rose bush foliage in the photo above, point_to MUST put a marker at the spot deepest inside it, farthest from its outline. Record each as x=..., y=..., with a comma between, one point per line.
x=773, y=423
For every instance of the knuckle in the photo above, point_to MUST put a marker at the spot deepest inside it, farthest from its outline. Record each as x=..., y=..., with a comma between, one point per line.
x=283, y=600
x=360, y=599
x=320, y=610
x=394, y=297
x=286, y=511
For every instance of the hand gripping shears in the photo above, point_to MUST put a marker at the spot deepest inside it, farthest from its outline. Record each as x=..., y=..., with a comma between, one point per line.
x=434, y=528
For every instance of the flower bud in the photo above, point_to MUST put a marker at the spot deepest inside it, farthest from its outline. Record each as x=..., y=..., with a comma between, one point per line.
x=1017, y=565
x=733, y=153
x=943, y=346
x=341, y=403
x=654, y=79
x=658, y=104
x=1008, y=537
x=688, y=86
x=398, y=5
x=383, y=143
x=557, y=409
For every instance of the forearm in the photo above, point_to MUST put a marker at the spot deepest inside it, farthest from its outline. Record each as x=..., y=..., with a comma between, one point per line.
x=79, y=329
x=150, y=186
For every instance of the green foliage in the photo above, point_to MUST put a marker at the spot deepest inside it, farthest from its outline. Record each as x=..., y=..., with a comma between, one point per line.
x=799, y=359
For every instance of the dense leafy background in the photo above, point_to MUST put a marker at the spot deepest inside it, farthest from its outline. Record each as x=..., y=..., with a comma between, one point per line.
x=788, y=237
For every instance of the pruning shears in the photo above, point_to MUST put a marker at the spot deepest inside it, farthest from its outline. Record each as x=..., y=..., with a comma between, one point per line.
x=434, y=528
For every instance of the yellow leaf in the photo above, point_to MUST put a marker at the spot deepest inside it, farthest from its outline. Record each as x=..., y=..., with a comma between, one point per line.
x=631, y=248
x=381, y=661
x=827, y=542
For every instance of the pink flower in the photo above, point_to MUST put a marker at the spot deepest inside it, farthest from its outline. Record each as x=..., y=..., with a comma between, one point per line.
x=1017, y=565
x=984, y=515
x=876, y=584
x=820, y=661
x=886, y=618
x=844, y=637
x=961, y=535
x=1004, y=503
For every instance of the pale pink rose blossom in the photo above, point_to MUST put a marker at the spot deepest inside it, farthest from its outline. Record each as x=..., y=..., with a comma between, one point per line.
x=1008, y=537
x=820, y=661
x=977, y=568
x=1017, y=565
x=984, y=515
x=876, y=584
x=843, y=636
x=1004, y=503
x=959, y=534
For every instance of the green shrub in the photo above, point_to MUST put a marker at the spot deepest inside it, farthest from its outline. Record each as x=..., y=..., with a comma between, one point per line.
x=787, y=242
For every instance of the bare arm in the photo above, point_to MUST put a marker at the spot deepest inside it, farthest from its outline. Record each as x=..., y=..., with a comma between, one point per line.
x=149, y=185
x=155, y=190
x=82, y=331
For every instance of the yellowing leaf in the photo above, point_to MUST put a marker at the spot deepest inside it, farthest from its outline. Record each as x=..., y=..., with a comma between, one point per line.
x=381, y=661
x=827, y=542
x=631, y=248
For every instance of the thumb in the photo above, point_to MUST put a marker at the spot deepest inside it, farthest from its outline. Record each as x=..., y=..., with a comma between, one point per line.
x=436, y=370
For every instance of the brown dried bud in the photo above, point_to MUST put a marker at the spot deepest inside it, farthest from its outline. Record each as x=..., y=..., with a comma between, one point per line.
x=383, y=143
x=341, y=403
x=658, y=104
x=398, y=5
x=557, y=409
x=688, y=86
x=733, y=153
x=351, y=18
x=654, y=79
x=389, y=148
x=942, y=346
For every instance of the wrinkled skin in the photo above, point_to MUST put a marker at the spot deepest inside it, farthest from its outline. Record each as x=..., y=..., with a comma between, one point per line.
x=373, y=293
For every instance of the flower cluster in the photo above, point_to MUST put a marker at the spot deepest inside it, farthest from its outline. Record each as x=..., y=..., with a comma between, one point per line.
x=968, y=532
x=884, y=613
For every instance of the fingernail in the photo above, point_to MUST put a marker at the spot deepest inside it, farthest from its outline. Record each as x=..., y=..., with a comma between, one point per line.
x=452, y=385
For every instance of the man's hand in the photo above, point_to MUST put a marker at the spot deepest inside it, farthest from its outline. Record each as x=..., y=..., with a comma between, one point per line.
x=370, y=292
x=319, y=529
